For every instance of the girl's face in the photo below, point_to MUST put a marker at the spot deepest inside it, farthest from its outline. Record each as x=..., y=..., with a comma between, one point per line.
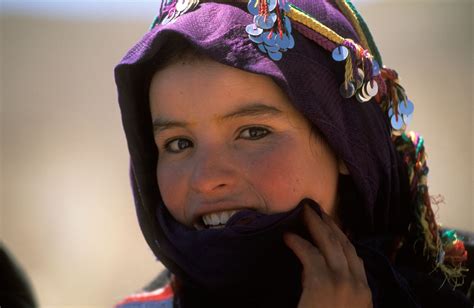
x=230, y=139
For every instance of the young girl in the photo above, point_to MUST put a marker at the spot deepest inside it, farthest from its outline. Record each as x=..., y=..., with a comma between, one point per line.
x=270, y=164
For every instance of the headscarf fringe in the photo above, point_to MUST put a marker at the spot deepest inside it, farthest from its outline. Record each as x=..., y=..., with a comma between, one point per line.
x=444, y=249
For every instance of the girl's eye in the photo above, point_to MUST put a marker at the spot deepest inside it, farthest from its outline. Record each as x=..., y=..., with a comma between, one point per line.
x=178, y=145
x=254, y=133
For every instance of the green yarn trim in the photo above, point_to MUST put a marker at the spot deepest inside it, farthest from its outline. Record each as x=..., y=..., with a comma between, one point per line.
x=368, y=35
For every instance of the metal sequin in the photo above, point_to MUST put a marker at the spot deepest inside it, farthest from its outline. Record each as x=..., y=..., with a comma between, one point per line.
x=347, y=90
x=361, y=98
x=266, y=32
x=406, y=107
x=371, y=90
x=340, y=53
x=407, y=118
x=252, y=7
x=359, y=78
x=272, y=5
x=397, y=122
x=253, y=30
x=265, y=22
x=375, y=68
x=275, y=56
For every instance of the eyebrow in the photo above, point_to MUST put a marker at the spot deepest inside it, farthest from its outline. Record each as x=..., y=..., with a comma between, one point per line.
x=160, y=124
x=251, y=110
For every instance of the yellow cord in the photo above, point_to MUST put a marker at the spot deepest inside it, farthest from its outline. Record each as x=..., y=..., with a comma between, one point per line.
x=346, y=10
x=305, y=19
x=348, y=76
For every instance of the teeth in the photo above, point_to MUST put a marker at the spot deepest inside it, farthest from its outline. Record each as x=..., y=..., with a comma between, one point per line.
x=218, y=218
x=198, y=226
x=214, y=219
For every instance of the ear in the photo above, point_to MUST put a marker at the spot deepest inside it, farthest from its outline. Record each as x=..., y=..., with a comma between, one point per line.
x=342, y=167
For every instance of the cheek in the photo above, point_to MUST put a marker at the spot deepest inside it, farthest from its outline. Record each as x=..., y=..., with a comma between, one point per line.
x=171, y=182
x=290, y=172
x=276, y=176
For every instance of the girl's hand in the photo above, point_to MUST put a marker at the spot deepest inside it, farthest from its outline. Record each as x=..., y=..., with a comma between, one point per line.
x=333, y=275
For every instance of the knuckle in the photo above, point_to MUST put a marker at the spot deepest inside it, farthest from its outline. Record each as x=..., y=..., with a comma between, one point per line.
x=314, y=253
x=333, y=238
x=361, y=286
x=334, y=244
x=342, y=282
x=339, y=270
x=350, y=248
x=348, y=245
x=304, y=246
x=313, y=280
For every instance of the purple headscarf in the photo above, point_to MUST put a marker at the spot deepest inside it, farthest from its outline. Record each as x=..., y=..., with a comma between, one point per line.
x=358, y=133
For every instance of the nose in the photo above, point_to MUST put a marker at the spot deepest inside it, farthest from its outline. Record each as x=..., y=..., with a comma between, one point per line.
x=213, y=173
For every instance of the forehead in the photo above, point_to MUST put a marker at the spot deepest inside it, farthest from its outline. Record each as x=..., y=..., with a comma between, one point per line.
x=190, y=70
x=189, y=86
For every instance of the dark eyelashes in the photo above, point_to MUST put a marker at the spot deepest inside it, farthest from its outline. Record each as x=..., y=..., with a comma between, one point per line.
x=178, y=145
x=180, y=142
x=255, y=132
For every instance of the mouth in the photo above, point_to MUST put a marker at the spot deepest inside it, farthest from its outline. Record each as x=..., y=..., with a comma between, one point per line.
x=215, y=220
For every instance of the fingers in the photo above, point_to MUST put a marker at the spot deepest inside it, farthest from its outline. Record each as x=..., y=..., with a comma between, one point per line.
x=327, y=241
x=314, y=265
x=356, y=265
x=306, y=252
x=333, y=275
x=332, y=246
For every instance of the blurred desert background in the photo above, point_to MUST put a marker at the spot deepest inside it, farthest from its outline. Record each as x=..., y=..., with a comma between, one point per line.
x=67, y=212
